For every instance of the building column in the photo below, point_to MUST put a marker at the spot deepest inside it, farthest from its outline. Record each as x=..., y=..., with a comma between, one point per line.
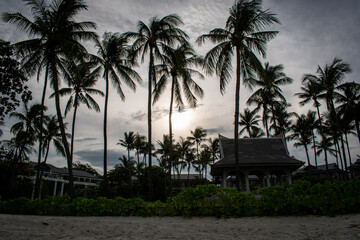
x=268, y=178
x=55, y=186
x=223, y=182
x=62, y=189
x=289, y=177
x=247, y=185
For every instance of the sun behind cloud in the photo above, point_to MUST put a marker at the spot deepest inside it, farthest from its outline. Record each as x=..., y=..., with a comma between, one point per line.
x=181, y=120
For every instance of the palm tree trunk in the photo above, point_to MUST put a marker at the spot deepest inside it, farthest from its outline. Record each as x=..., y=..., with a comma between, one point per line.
x=322, y=133
x=105, y=126
x=170, y=130
x=266, y=123
x=37, y=180
x=340, y=131
x=357, y=128
x=307, y=154
x=337, y=148
x=151, y=77
x=348, y=148
x=237, y=112
x=314, y=146
x=42, y=169
x=62, y=127
x=73, y=127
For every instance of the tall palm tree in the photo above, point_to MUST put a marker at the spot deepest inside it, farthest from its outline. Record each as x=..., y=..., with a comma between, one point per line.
x=51, y=135
x=302, y=134
x=177, y=65
x=269, y=94
x=113, y=57
x=250, y=121
x=197, y=136
x=139, y=145
x=29, y=121
x=20, y=146
x=243, y=33
x=330, y=77
x=128, y=142
x=213, y=148
x=310, y=92
x=281, y=119
x=313, y=124
x=349, y=100
x=57, y=35
x=151, y=39
x=81, y=81
x=183, y=146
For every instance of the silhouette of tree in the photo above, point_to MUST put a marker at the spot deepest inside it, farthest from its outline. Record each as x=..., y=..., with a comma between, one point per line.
x=243, y=33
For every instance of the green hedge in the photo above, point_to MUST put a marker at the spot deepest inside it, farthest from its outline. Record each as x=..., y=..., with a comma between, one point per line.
x=301, y=198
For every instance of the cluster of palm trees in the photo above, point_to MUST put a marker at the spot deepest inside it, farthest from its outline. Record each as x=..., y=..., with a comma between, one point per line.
x=339, y=119
x=56, y=49
x=173, y=157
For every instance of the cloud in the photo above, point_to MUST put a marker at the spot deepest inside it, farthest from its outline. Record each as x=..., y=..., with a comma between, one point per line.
x=139, y=115
x=86, y=139
x=96, y=157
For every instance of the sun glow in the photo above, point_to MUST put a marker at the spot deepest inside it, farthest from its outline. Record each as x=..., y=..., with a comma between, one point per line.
x=181, y=119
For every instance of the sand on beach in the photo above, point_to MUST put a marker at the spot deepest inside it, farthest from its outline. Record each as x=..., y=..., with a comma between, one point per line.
x=305, y=227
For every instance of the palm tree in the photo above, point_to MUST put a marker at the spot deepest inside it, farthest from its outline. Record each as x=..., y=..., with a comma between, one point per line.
x=165, y=159
x=81, y=82
x=139, y=145
x=313, y=124
x=177, y=66
x=183, y=146
x=128, y=142
x=243, y=33
x=58, y=35
x=51, y=135
x=269, y=94
x=29, y=121
x=197, y=136
x=281, y=119
x=310, y=92
x=349, y=100
x=329, y=78
x=325, y=145
x=213, y=148
x=250, y=120
x=20, y=146
x=302, y=133
x=130, y=166
x=151, y=39
x=113, y=57
x=190, y=160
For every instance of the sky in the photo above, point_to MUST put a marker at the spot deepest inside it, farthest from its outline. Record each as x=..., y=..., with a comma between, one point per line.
x=311, y=34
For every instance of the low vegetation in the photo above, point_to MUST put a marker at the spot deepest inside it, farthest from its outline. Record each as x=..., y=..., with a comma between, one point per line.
x=301, y=198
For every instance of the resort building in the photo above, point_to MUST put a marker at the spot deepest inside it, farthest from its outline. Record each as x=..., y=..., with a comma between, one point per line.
x=333, y=171
x=55, y=180
x=262, y=162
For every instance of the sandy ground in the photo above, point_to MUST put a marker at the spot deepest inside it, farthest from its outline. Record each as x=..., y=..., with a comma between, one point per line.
x=309, y=227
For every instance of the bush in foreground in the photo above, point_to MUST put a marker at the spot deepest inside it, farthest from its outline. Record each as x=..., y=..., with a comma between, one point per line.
x=301, y=198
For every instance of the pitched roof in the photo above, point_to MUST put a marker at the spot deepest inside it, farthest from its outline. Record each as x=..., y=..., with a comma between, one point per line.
x=256, y=152
x=320, y=168
x=64, y=171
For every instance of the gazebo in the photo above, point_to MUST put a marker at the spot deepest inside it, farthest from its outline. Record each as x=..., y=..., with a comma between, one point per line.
x=264, y=160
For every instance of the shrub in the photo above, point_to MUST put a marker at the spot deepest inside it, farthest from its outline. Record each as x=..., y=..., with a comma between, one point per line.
x=328, y=198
